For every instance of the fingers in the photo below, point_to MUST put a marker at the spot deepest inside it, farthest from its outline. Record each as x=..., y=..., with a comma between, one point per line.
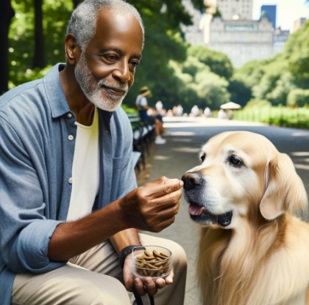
x=153, y=206
x=147, y=285
x=163, y=186
x=150, y=286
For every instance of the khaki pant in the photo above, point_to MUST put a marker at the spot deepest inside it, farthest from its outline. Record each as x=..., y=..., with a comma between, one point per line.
x=94, y=278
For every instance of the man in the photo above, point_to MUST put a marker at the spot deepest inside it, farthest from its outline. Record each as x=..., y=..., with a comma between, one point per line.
x=69, y=204
x=142, y=107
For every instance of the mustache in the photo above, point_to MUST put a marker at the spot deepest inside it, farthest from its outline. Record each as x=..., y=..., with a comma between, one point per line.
x=115, y=86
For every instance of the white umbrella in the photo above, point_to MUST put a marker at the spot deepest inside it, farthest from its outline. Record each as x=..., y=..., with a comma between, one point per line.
x=230, y=105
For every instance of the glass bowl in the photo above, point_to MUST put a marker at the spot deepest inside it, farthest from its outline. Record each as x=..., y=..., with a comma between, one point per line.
x=154, y=262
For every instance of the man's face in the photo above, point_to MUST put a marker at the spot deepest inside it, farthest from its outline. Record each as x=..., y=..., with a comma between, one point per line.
x=105, y=70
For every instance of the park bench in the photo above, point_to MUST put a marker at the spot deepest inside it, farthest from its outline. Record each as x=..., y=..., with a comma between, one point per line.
x=143, y=137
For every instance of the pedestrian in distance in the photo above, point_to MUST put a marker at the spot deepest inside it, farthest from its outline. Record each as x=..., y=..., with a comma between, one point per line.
x=156, y=120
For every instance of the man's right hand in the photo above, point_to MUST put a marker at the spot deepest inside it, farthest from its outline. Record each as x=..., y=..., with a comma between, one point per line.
x=153, y=206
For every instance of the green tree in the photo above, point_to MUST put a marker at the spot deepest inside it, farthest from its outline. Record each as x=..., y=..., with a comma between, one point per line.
x=240, y=92
x=6, y=15
x=163, y=44
x=38, y=58
x=298, y=98
x=296, y=52
x=218, y=62
x=162, y=19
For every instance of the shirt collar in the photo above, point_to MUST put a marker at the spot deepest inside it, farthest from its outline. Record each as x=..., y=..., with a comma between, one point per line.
x=56, y=97
x=55, y=94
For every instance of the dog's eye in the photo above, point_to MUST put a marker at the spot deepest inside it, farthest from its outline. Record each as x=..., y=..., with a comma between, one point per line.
x=203, y=157
x=235, y=161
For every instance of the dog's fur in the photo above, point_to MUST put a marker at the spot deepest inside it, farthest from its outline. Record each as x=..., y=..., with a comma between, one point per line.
x=260, y=255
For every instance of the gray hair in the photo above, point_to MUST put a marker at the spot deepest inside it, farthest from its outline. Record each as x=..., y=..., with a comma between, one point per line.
x=82, y=23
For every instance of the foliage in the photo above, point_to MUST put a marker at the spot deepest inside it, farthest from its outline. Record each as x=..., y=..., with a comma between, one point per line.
x=257, y=104
x=274, y=78
x=239, y=90
x=22, y=36
x=218, y=62
x=298, y=98
x=279, y=116
x=296, y=53
x=176, y=72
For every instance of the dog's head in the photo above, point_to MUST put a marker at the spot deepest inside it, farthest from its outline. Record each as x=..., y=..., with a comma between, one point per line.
x=241, y=175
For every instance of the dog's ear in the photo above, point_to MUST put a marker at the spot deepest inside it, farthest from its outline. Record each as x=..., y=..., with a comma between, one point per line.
x=285, y=190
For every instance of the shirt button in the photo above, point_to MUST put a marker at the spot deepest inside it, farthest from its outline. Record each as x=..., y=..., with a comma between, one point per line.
x=70, y=180
x=69, y=115
x=70, y=137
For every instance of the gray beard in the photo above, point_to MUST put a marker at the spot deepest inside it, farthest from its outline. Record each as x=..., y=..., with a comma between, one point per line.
x=93, y=90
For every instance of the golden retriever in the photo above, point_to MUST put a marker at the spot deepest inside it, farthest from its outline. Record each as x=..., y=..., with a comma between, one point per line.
x=252, y=249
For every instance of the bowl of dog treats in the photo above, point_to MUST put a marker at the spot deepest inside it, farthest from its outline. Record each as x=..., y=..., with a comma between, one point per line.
x=153, y=261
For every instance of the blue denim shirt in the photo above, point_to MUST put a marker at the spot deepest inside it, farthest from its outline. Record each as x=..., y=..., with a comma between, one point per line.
x=37, y=139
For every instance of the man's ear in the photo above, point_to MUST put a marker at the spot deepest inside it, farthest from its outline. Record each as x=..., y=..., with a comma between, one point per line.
x=72, y=49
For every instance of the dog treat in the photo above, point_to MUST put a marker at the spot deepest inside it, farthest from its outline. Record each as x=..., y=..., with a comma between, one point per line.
x=153, y=264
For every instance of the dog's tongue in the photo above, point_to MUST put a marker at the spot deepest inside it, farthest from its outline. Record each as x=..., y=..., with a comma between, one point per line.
x=195, y=210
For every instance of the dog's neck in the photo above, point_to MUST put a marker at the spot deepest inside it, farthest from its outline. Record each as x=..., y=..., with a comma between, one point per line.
x=234, y=256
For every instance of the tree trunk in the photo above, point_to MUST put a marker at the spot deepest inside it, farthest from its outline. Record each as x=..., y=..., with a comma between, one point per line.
x=38, y=60
x=6, y=15
x=76, y=2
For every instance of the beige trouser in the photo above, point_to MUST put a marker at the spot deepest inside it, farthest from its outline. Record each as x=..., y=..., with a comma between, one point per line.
x=94, y=278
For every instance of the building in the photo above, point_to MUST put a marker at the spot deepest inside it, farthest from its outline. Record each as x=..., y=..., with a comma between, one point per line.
x=242, y=40
x=194, y=34
x=235, y=33
x=271, y=12
x=298, y=23
x=280, y=38
x=235, y=10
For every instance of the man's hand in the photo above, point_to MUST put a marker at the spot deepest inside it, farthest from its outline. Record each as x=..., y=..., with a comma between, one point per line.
x=153, y=206
x=145, y=285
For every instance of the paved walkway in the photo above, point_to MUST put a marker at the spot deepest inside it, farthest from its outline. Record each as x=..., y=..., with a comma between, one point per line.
x=180, y=153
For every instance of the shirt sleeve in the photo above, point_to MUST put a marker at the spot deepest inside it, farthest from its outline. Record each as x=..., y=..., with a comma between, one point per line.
x=143, y=101
x=24, y=230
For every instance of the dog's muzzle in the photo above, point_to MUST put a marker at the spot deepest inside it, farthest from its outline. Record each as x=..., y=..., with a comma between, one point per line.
x=193, y=186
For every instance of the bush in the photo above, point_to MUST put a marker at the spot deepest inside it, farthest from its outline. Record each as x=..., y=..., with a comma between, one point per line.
x=298, y=97
x=257, y=103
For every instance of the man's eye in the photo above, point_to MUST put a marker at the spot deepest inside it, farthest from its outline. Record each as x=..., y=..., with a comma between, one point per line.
x=235, y=161
x=110, y=57
x=134, y=64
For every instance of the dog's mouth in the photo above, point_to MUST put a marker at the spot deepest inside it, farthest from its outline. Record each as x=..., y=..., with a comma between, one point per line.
x=201, y=214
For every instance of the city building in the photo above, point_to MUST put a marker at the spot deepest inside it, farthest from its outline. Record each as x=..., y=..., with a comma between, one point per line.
x=235, y=33
x=234, y=10
x=242, y=40
x=280, y=38
x=194, y=34
x=271, y=12
x=298, y=23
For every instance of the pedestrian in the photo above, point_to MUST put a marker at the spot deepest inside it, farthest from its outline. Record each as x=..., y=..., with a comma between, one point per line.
x=143, y=108
x=195, y=111
x=207, y=112
x=70, y=207
x=159, y=108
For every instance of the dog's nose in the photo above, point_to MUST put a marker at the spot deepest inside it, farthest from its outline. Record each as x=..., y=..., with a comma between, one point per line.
x=192, y=180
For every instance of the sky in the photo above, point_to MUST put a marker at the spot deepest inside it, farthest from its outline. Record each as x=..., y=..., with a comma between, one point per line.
x=287, y=11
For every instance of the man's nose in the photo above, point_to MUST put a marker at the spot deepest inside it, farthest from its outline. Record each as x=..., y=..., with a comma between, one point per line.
x=122, y=71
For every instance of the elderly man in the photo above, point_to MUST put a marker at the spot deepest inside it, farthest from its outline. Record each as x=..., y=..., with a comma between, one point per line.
x=70, y=208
